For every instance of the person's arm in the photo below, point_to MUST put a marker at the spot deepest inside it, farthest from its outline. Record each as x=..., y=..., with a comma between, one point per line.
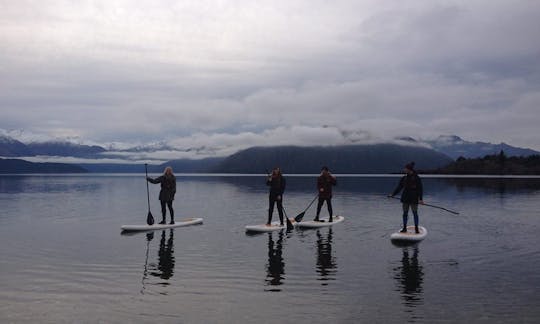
x=398, y=188
x=156, y=180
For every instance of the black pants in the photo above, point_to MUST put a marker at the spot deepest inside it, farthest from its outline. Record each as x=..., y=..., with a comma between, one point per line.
x=164, y=210
x=328, y=204
x=271, y=201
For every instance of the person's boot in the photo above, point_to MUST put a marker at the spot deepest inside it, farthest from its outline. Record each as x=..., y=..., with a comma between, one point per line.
x=163, y=220
x=404, y=229
x=416, y=230
x=330, y=220
x=316, y=219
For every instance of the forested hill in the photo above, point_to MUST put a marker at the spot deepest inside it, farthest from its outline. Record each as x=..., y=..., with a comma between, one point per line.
x=497, y=164
x=379, y=158
x=21, y=166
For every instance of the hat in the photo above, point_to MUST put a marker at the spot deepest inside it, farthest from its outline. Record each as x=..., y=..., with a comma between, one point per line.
x=410, y=166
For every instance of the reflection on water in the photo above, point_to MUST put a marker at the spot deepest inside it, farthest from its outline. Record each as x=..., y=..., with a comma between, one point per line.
x=149, y=237
x=326, y=263
x=275, y=268
x=409, y=277
x=164, y=268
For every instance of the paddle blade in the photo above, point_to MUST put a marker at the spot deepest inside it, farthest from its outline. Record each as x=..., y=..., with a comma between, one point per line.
x=150, y=219
x=299, y=217
x=290, y=226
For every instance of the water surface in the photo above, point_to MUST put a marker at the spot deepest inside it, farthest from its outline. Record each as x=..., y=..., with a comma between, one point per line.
x=65, y=260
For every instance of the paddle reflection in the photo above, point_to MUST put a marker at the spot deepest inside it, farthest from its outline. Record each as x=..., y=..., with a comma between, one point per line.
x=326, y=263
x=275, y=268
x=410, y=277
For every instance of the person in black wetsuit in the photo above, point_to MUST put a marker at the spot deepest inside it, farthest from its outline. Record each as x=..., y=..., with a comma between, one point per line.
x=168, y=190
x=276, y=181
x=411, y=184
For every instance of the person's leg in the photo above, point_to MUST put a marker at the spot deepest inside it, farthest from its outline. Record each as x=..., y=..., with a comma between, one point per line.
x=163, y=211
x=171, y=211
x=405, y=216
x=330, y=211
x=280, y=210
x=319, y=206
x=271, y=202
x=414, y=208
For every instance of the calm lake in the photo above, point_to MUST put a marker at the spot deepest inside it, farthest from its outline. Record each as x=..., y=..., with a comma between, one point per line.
x=64, y=259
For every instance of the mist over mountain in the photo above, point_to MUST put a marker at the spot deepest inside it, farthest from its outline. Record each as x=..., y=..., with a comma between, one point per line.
x=456, y=147
x=378, y=158
x=354, y=157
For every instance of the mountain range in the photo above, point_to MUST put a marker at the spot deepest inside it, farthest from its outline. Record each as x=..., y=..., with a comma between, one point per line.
x=354, y=158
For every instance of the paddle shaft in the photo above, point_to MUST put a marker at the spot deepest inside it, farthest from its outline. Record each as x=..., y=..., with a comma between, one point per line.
x=439, y=207
x=299, y=217
x=147, y=189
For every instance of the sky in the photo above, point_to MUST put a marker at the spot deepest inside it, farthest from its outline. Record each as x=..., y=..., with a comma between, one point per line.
x=211, y=77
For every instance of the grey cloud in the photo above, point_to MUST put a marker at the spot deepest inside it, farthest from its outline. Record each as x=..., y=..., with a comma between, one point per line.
x=192, y=73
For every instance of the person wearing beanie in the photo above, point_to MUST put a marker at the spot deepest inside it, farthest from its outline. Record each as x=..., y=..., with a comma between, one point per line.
x=324, y=185
x=411, y=184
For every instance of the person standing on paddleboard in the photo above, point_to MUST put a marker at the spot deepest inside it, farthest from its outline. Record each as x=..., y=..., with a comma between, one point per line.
x=276, y=181
x=324, y=185
x=168, y=190
x=411, y=184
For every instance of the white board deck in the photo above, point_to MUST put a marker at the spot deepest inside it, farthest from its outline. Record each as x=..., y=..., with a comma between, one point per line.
x=410, y=235
x=178, y=223
x=274, y=226
x=321, y=223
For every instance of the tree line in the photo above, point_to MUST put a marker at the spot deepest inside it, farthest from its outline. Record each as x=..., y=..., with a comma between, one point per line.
x=497, y=164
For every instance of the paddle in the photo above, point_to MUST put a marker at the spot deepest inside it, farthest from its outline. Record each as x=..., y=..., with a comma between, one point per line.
x=439, y=207
x=149, y=217
x=299, y=217
x=290, y=226
x=289, y=223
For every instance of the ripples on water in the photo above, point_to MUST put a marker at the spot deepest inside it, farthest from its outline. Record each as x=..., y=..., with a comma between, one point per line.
x=64, y=260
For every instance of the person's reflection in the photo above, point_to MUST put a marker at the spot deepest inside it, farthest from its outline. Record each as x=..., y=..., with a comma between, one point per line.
x=165, y=266
x=275, y=268
x=326, y=263
x=410, y=277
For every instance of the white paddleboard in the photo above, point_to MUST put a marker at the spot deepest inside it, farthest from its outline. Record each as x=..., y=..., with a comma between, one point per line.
x=178, y=223
x=274, y=226
x=410, y=235
x=321, y=223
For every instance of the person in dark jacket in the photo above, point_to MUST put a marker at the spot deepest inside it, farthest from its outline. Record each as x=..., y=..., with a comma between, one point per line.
x=411, y=184
x=324, y=185
x=276, y=181
x=168, y=190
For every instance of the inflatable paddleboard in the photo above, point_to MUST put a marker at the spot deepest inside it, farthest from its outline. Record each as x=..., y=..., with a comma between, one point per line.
x=321, y=223
x=178, y=223
x=410, y=235
x=274, y=226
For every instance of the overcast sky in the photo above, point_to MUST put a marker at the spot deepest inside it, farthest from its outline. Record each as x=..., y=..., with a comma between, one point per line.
x=222, y=75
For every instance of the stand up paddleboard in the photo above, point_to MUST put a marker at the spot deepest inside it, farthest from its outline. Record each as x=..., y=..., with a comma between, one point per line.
x=274, y=226
x=321, y=223
x=154, y=227
x=410, y=235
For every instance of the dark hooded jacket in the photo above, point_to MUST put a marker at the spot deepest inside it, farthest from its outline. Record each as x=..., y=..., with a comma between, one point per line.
x=412, y=189
x=168, y=187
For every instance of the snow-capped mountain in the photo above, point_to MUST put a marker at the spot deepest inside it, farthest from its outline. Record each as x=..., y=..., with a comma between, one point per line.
x=454, y=146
